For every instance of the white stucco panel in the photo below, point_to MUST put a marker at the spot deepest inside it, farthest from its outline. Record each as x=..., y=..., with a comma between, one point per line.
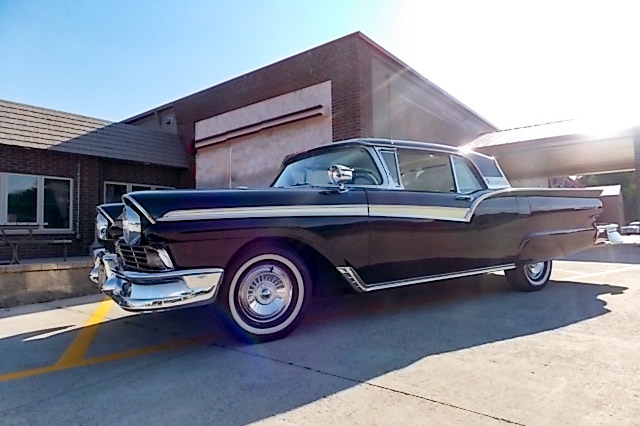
x=226, y=157
x=283, y=105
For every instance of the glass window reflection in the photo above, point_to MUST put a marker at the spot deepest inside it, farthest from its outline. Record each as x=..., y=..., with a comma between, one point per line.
x=57, y=202
x=22, y=199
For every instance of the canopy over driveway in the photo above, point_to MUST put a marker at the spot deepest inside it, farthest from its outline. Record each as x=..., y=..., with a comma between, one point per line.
x=562, y=148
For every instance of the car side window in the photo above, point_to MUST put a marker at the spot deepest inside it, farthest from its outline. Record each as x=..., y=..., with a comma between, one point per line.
x=425, y=171
x=465, y=178
x=313, y=170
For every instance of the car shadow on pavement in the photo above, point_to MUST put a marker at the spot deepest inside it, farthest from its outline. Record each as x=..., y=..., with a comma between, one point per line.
x=344, y=341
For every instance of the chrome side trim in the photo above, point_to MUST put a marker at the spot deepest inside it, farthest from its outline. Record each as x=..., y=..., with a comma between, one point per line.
x=360, y=286
x=457, y=214
x=380, y=210
x=271, y=211
x=139, y=207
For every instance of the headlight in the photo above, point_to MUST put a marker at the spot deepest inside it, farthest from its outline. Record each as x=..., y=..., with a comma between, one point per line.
x=159, y=258
x=102, y=225
x=131, y=226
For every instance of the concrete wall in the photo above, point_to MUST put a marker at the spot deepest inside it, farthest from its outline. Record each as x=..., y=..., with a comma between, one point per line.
x=42, y=282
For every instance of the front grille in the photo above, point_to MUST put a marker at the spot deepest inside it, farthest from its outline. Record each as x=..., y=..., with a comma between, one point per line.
x=140, y=258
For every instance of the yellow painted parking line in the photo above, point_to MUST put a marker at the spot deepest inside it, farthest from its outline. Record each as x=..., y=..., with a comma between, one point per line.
x=74, y=356
x=71, y=363
x=80, y=345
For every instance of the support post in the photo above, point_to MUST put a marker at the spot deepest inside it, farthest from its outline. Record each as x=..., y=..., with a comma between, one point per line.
x=636, y=149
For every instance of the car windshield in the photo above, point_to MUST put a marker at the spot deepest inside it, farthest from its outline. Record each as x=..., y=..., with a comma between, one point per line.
x=313, y=170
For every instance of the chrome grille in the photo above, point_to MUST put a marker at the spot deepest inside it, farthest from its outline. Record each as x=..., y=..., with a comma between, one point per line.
x=137, y=258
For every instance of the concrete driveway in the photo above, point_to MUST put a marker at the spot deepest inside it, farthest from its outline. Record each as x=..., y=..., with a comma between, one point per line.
x=468, y=351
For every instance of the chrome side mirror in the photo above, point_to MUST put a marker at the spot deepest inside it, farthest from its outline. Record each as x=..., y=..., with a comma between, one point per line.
x=339, y=175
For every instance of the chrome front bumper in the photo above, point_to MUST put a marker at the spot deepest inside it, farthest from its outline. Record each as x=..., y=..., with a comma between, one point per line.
x=154, y=291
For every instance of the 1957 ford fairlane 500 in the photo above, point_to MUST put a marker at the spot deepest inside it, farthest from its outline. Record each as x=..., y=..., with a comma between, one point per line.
x=376, y=214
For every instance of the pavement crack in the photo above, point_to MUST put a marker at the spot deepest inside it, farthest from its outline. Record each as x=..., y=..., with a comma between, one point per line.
x=357, y=381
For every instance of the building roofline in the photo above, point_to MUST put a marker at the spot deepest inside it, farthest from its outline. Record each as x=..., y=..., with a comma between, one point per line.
x=357, y=35
x=29, y=126
x=57, y=111
x=402, y=64
x=197, y=92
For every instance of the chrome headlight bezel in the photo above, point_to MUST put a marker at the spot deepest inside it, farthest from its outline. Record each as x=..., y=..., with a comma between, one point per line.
x=102, y=227
x=131, y=226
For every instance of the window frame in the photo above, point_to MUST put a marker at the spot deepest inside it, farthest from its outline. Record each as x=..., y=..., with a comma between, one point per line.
x=4, y=204
x=373, y=155
x=392, y=184
x=474, y=170
x=129, y=186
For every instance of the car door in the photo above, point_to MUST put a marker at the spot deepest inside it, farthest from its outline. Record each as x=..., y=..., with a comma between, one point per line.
x=421, y=227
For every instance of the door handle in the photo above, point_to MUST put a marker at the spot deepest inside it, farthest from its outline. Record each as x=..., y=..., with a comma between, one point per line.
x=464, y=198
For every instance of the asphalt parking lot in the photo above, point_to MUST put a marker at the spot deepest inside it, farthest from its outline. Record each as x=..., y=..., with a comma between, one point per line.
x=468, y=351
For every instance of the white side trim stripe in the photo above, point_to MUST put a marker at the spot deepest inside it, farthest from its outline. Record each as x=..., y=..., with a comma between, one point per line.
x=375, y=210
x=419, y=212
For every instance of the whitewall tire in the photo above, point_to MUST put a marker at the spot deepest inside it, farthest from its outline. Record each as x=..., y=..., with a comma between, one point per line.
x=267, y=293
x=530, y=276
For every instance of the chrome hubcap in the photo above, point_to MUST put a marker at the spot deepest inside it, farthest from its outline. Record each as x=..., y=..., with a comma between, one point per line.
x=265, y=293
x=535, y=271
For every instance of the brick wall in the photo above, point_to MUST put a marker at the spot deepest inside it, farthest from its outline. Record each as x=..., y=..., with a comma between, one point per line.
x=336, y=62
x=88, y=173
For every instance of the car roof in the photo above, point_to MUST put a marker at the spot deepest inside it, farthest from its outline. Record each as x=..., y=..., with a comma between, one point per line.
x=373, y=142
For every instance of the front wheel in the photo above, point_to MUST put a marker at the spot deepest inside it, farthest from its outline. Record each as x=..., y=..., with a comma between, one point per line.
x=529, y=276
x=267, y=293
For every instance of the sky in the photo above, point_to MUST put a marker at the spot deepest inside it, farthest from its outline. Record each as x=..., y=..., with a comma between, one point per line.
x=515, y=63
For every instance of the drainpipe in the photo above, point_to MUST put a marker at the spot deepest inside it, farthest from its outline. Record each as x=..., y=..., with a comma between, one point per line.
x=78, y=235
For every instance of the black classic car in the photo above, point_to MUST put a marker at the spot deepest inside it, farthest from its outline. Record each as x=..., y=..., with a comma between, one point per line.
x=368, y=214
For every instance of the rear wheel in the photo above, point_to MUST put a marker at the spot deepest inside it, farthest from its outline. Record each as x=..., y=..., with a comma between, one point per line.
x=529, y=276
x=266, y=293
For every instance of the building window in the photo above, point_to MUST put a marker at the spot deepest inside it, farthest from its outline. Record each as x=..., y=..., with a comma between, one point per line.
x=113, y=191
x=57, y=203
x=44, y=201
x=22, y=199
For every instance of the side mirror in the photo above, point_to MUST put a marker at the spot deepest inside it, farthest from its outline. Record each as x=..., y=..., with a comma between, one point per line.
x=339, y=175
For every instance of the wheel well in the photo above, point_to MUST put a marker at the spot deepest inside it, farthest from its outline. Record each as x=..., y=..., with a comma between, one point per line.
x=324, y=275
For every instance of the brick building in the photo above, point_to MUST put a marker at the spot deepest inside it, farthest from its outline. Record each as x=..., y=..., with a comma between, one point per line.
x=238, y=132
x=56, y=167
